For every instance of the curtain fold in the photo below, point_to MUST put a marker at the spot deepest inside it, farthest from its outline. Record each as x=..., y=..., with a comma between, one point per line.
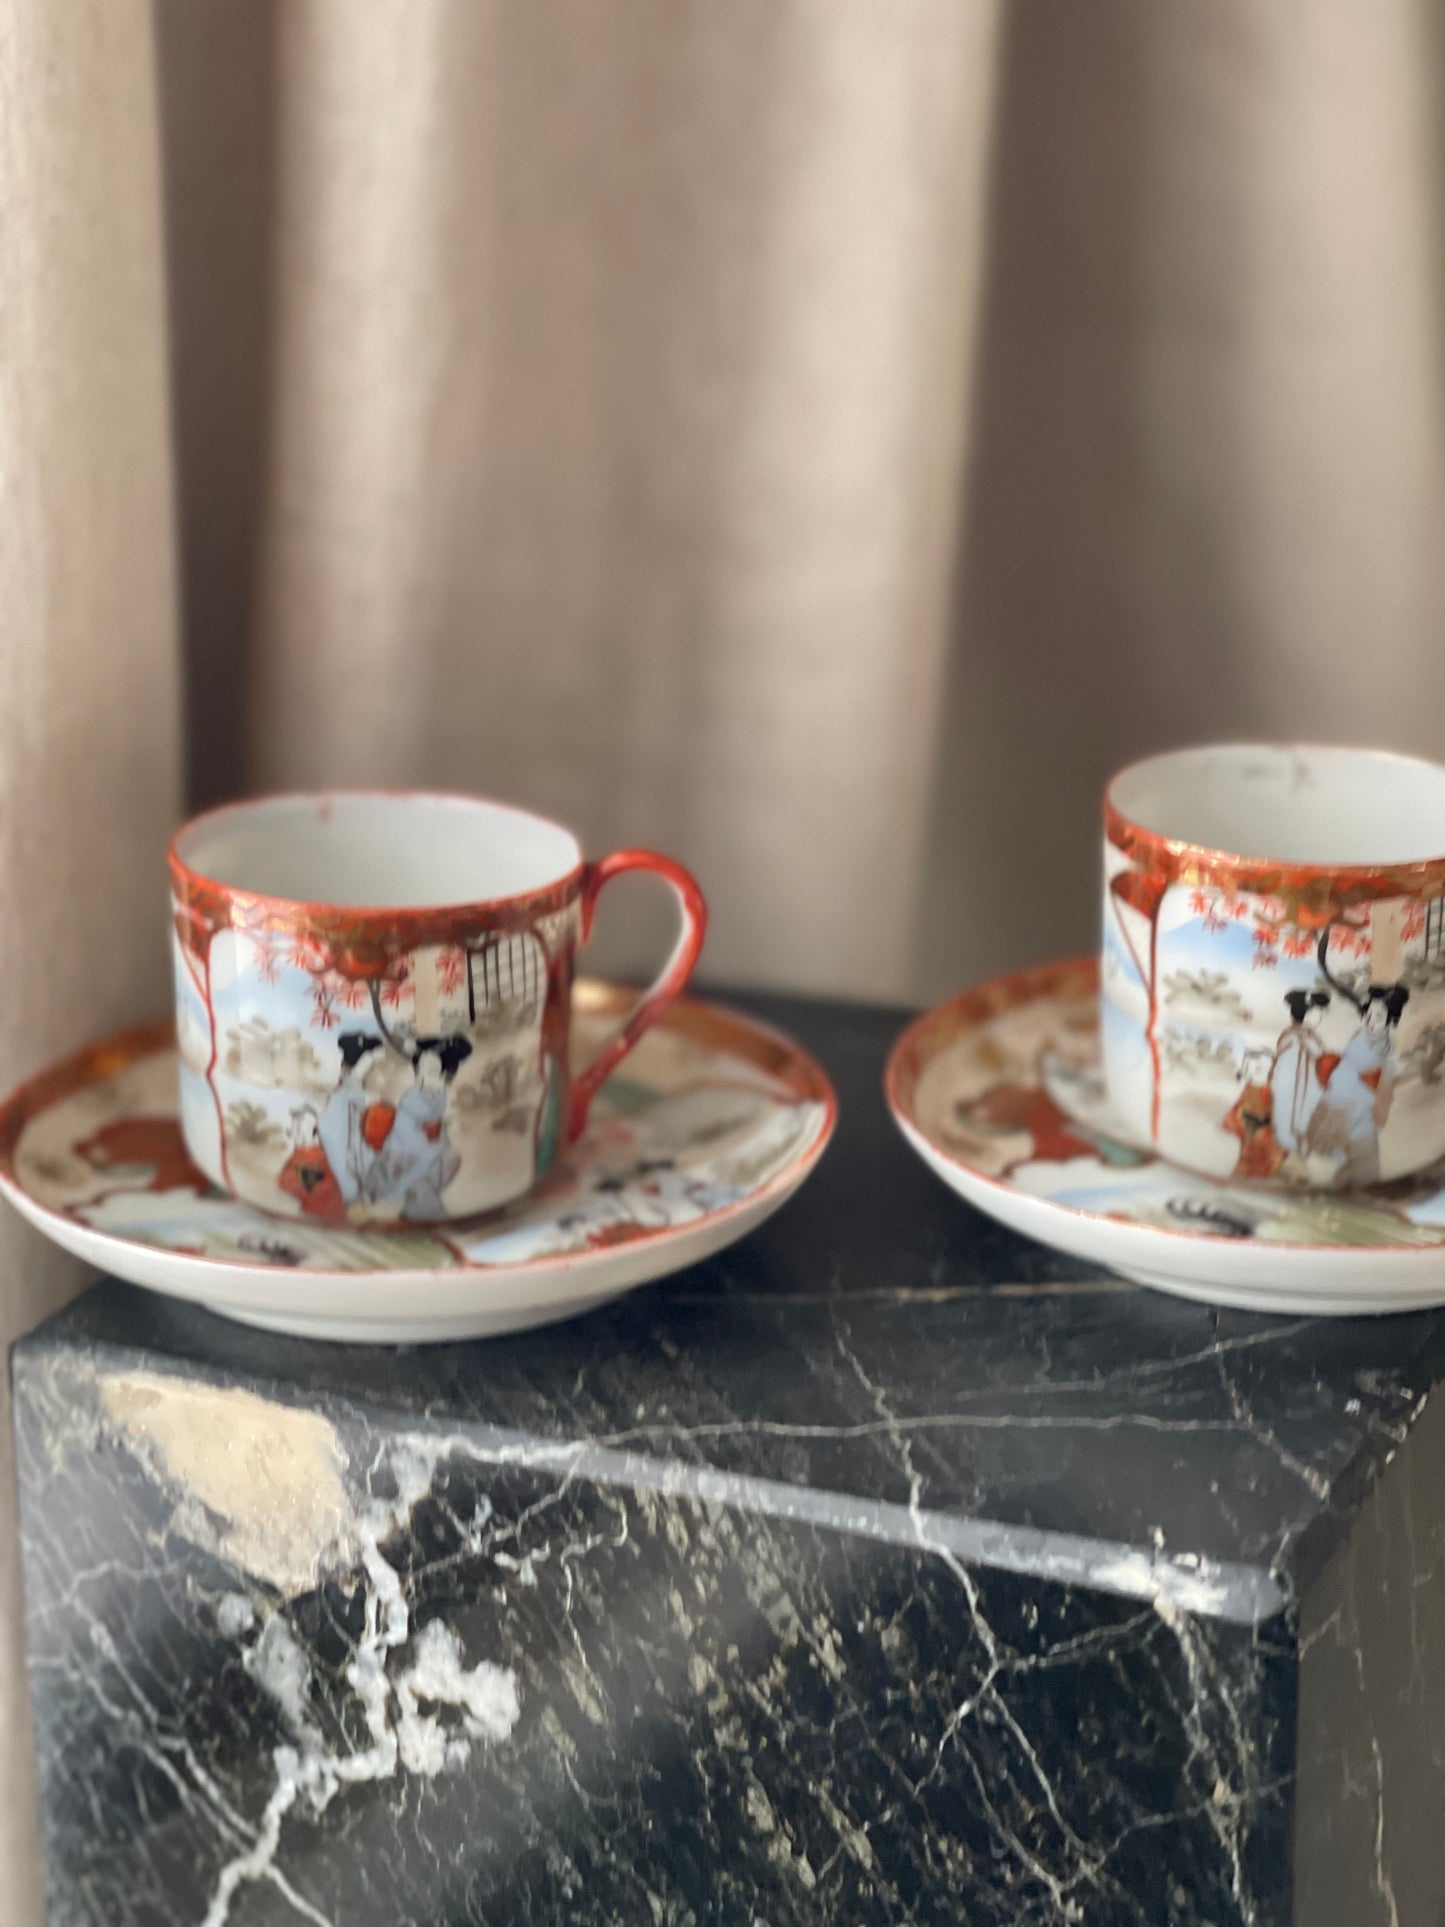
x=618, y=362
x=814, y=437
x=1208, y=467
x=89, y=738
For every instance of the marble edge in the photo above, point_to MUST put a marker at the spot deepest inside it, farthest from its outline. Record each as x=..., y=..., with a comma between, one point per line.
x=1311, y=1548
x=1173, y=1583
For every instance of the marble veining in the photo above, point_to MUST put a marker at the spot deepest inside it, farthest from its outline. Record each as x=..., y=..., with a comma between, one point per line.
x=403, y=1736
x=744, y=1622
x=886, y=1568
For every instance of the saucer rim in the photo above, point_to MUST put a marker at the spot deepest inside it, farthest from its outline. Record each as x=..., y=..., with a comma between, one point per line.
x=700, y=1017
x=994, y=998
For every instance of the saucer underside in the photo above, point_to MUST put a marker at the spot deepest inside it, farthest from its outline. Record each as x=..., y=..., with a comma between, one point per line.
x=999, y=1092
x=712, y=1123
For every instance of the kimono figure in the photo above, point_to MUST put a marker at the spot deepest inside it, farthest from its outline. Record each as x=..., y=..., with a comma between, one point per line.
x=1301, y=1071
x=339, y=1133
x=1252, y=1119
x=306, y=1174
x=1347, y=1120
x=373, y=1133
x=417, y=1161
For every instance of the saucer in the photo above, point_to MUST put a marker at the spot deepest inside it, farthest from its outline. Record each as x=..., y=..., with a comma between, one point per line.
x=712, y=1124
x=1001, y=1092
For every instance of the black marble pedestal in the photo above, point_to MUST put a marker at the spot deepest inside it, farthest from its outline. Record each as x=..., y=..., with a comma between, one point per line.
x=884, y=1569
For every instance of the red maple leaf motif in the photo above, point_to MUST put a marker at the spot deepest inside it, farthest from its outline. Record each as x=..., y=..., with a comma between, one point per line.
x=1201, y=902
x=349, y=992
x=1238, y=908
x=1349, y=935
x=1413, y=924
x=308, y=955
x=323, y=1007
x=1213, y=921
x=395, y=992
x=1265, y=936
x=451, y=968
x=268, y=964
x=1298, y=943
x=1265, y=960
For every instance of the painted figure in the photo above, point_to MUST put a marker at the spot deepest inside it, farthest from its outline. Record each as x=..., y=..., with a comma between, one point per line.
x=340, y=1132
x=1346, y=1122
x=1252, y=1119
x=1301, y=1070
x=307, y=1174
x=373, y=1135
x=416, y=1161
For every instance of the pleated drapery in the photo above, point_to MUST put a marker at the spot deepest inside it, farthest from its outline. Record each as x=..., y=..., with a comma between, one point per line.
x=817, y=437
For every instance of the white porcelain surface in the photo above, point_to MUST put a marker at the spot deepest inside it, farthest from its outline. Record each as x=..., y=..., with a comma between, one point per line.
x=1273, y=962
x=374, y=999
x=712, y=1125
x=963, y=1080
x=365, y=849
x=1290, y=803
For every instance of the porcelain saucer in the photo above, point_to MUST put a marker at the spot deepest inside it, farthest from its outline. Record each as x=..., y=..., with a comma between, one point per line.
x=1001, y=1092
x=713, y=1123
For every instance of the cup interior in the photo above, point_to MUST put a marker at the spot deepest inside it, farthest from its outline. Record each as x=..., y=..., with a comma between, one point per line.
x=369, y=850
x=1338, y=808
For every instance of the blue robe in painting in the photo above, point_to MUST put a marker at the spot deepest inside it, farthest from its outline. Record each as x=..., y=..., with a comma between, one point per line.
x=418, y=1163
x=340, y=1132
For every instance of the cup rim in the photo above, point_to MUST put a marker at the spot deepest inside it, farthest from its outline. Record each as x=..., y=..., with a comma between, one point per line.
x=1190, y=861
x=204, y=891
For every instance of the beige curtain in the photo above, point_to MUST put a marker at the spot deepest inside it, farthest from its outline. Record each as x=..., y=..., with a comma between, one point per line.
x=819, y=437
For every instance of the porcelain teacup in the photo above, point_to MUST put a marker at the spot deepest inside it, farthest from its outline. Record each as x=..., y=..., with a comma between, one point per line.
x=1273, y=964
x=373, y=997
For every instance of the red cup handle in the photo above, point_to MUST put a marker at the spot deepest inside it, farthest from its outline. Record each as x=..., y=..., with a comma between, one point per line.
x=674, y=975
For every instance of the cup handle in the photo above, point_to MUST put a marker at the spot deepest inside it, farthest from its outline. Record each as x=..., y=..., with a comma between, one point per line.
x=674, y=974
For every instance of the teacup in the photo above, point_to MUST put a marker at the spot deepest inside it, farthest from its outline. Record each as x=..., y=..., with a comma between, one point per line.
x=373, y=997
x=1273, y=965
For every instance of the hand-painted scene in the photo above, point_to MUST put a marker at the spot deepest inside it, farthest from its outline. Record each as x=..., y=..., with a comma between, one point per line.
x=692, y=1125
x=1018, y=1093
x=428, y=1093
x=1310, y=1053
